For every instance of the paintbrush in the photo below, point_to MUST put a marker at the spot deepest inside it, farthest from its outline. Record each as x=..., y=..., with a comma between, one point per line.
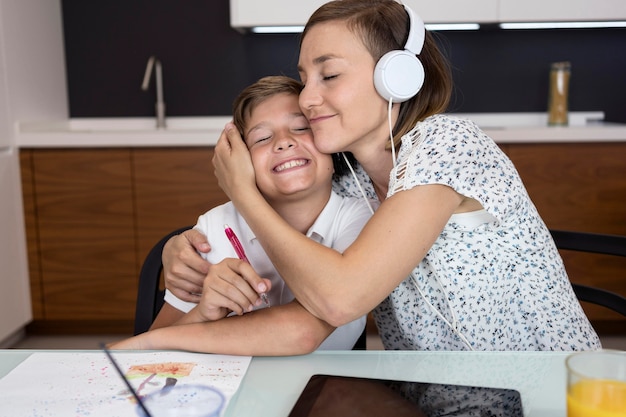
x=126, y=381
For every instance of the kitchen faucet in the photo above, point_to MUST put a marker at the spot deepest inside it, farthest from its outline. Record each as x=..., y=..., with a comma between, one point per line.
x=160, y=104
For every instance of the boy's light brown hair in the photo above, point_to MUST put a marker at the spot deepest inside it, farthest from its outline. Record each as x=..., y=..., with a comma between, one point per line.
x=257, y=93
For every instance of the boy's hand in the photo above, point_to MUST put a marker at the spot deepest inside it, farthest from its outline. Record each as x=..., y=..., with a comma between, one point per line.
x=231, y=285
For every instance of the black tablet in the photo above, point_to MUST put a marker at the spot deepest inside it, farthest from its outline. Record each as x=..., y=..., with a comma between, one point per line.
x=330, y=396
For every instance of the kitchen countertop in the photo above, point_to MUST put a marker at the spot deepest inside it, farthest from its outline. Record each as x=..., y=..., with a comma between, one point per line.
x=204, y=131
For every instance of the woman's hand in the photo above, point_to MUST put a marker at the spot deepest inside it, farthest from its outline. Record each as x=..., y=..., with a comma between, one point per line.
x=183, y=268
x=232, y=163
x=230, y=286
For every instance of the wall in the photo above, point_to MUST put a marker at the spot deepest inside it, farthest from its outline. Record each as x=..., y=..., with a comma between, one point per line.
x=206, y=63
x=32, y=87
x=34, y=60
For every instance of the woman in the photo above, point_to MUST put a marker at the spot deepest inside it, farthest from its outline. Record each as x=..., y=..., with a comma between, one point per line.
x=456, y=257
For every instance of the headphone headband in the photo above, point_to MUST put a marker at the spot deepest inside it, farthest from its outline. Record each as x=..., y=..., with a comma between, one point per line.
x=417, y=32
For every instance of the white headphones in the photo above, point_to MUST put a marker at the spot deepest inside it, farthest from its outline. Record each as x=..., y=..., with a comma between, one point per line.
x=399, y=74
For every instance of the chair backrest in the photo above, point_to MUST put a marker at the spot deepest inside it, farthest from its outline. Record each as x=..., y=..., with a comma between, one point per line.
x=149, y=294
x=594, y=243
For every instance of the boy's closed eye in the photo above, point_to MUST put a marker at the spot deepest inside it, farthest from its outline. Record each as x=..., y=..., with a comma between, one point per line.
x=257, y=135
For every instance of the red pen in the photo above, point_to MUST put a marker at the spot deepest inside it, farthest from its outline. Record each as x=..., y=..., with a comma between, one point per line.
x=241, y=254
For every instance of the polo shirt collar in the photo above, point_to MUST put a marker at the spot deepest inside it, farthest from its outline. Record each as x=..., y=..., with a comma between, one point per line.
x=319, y=231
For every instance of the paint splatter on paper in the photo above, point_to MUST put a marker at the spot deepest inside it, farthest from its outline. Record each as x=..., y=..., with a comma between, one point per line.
x=167, y=369
x=85, y=384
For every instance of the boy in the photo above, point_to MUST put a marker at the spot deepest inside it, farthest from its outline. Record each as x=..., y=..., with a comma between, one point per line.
x=295, y=178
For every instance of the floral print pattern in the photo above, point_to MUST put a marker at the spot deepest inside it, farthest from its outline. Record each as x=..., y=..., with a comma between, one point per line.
x=493, y=277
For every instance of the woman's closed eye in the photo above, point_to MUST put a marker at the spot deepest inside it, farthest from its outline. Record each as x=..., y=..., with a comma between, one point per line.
x=323, y=78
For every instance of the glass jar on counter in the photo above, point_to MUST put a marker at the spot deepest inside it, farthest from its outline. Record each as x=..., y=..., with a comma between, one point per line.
x=558, y=95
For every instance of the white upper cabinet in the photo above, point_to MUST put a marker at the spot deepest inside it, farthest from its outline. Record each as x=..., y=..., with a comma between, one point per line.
x=248, y=13
x=455, y=11
x=561, y=10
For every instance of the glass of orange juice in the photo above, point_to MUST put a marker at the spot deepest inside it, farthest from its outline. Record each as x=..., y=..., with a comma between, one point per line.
x=596, y=384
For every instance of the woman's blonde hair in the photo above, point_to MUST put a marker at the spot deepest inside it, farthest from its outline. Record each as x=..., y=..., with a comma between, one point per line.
x=383, y=26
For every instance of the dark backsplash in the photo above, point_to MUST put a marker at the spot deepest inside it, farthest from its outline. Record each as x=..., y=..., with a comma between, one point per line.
x=206, y=62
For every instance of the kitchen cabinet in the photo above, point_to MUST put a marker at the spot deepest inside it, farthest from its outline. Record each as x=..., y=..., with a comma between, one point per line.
x=85, y=233
x=249, y=13
x=92, y=215
x=561, y=10
x=172, y=188
x=453, y=11
x=581, y=186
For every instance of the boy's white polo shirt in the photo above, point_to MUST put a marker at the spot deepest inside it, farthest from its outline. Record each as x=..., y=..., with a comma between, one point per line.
x=337, y=226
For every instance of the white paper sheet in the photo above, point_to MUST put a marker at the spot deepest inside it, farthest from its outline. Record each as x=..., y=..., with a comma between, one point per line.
x=86, y=384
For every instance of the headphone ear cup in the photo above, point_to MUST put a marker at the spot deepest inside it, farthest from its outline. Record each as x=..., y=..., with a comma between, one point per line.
x=399, y=75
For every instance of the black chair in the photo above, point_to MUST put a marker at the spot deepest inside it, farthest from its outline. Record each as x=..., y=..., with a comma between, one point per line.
x=150, y=295
x=361, y=343
x=600, y=244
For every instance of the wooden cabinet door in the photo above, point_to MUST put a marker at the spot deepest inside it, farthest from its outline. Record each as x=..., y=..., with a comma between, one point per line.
x=92, y=215
x=85, y=222
x=32, y=233
x=582, y=187
x=576, y=186
x=173, y=186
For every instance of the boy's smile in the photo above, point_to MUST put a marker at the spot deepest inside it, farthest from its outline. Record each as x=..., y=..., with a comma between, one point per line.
x=285, y=159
